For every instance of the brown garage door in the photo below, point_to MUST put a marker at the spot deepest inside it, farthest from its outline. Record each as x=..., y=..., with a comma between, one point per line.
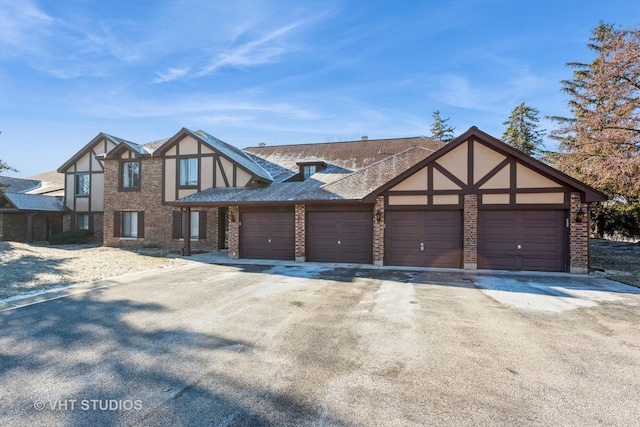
x=423, y=238
x=340, y=236
x=522, y=240
x=267, y=235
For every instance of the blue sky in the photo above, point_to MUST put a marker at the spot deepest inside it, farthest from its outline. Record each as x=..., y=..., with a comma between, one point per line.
x=278, y=72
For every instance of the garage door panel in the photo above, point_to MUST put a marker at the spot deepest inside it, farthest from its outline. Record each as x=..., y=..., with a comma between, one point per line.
x=424, y=238
x=340, y=236
x=531, y=240
x=267, y=235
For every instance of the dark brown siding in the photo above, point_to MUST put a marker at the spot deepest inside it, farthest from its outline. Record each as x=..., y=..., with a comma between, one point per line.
x=267, y=235
x=424, y=238
x=340, y=236
x=531, y=240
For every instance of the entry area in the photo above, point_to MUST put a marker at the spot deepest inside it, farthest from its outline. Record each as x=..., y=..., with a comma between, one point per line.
x=532, y=240
x=267, y=234
x=339, y=236
x=423, y=238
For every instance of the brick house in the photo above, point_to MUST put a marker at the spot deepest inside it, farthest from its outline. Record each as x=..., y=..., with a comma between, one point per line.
x=31, y=209
x=474, y=203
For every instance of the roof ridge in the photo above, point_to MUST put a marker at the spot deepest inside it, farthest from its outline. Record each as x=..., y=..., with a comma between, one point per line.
x=363, y=141
x=375, y=164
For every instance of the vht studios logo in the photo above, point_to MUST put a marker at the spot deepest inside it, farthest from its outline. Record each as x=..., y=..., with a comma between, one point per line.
x=88, y=405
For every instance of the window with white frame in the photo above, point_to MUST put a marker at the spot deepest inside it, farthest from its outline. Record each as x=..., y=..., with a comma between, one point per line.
x=129, y=224
x=189, y=172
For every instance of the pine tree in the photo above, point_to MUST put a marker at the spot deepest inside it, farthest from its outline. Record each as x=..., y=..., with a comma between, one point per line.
x=523, y=131
x=3, y=168
x=440, y=130
x=600, y=142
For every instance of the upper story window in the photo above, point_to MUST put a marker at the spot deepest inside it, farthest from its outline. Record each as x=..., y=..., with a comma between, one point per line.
x=130, y=175
x=82, y=184
x=189, y=172
x=308, y=170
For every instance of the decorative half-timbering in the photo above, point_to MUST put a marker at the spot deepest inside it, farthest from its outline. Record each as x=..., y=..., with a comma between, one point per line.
x=197, y=161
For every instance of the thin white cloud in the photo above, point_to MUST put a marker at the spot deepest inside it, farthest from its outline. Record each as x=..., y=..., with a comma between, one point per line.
x=260, y=51
x=171, y=74
x=23, y=23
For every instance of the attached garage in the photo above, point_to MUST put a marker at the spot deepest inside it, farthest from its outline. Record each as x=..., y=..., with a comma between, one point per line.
x=532, y=240
x=267, y=234
x=421, y=238
x=340, y=236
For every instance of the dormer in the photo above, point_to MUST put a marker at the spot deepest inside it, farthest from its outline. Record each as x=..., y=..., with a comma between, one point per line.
x=307, y=169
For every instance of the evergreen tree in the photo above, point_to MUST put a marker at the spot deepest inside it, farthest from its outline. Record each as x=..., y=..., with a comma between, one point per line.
x=440, y=130
x=522, y=130
x=600, y=142
x=5, y=167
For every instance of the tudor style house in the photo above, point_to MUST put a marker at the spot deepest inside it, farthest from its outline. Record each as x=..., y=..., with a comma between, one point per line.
x=474, y=203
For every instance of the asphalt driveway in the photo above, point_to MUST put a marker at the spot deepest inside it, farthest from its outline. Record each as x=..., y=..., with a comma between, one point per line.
x=309, y=344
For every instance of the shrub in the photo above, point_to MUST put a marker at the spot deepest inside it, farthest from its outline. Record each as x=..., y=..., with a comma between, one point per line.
x=71, y=237
x=618, y=220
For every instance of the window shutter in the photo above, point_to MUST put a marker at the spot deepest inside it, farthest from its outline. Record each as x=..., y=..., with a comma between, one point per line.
x=140, y=224
x=117, y=227
x=202, y=226
x=177, y=224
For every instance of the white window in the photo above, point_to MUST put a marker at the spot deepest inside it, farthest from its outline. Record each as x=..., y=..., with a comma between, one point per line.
x=188, y=172
x=129, y=224
x=82, y=222
x=82, y=184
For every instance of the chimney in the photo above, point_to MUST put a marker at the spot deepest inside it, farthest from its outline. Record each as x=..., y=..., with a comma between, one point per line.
x=365, y=137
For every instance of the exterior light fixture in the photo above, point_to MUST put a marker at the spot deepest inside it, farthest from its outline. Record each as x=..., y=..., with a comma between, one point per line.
x=232, y=217
x=378, y=215
x=580, y=215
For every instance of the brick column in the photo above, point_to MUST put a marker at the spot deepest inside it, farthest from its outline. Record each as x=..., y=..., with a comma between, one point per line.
x=234, y=233
x=300, y=227
x=578, y=237
x=378, y=233
x=470, y=239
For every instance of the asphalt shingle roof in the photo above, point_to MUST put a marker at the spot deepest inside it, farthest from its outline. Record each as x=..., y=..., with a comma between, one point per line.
x=18, y=185
x=235, y=154
x=34, y=202
x=354, y=169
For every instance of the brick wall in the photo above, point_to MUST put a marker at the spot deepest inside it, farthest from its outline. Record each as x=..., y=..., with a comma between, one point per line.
x=578, y=237
x=158, y=221
x=300, y=230
x=14, y=226
x=378, y=232
x=98, y=227
x=234, y=233
x=470, y=237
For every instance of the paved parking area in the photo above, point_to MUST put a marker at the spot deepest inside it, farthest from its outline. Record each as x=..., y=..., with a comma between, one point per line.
x=309, y=344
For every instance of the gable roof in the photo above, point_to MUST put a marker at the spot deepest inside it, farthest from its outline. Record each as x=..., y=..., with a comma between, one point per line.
x=232, y=153
x=33, y=202
x=84, y=150
x=588, y=193
x=365, y=166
